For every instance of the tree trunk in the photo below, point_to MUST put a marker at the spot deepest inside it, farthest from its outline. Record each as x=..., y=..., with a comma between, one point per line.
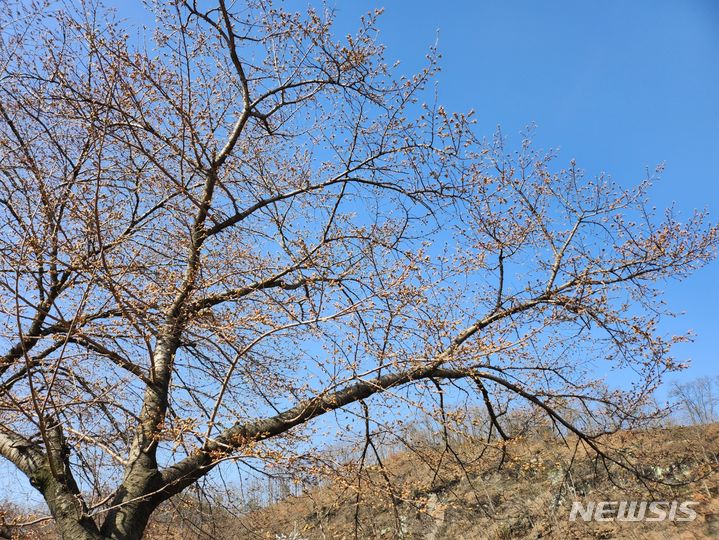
x=128, y=521
x=70, y=513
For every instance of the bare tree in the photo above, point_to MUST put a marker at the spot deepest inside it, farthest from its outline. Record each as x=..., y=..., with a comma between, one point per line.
x=230, y=224
x=697, y=399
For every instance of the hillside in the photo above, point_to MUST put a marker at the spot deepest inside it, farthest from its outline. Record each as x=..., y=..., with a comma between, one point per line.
x=529, y=497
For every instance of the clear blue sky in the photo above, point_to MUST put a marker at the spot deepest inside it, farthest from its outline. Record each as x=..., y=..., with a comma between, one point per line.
x=618, y=85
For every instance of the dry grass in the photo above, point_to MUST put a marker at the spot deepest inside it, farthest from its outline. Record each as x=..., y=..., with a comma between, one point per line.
x=529, y=497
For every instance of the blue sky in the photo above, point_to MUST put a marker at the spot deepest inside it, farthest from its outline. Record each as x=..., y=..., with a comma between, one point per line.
x=620, y=86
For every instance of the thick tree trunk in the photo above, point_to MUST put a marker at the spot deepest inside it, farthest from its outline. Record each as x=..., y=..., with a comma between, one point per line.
x=129, y=520
x=72, y=530
x=69, y=512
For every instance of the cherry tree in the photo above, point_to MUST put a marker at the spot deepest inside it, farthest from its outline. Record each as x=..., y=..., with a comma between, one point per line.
x=223, y=226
